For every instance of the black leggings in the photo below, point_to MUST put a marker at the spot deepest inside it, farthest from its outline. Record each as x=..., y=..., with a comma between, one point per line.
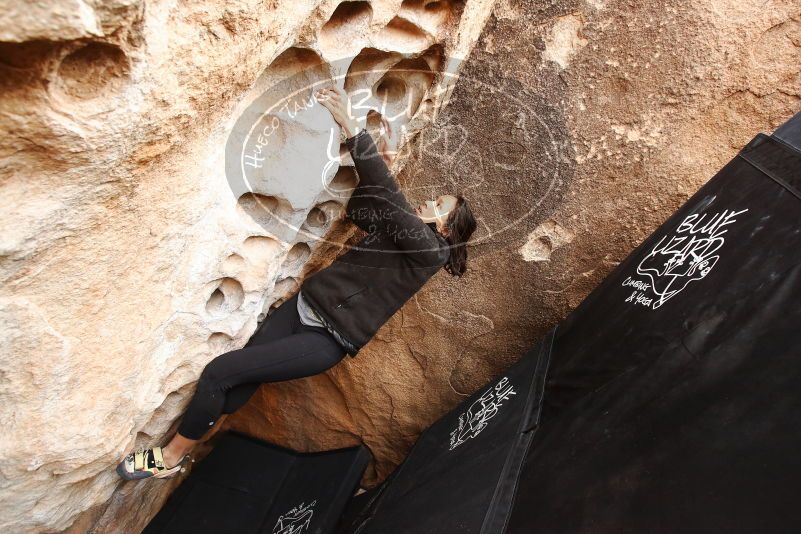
x=282, y=349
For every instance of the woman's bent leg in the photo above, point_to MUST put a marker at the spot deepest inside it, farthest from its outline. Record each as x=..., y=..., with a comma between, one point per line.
x=306, y=353
x=283, y=321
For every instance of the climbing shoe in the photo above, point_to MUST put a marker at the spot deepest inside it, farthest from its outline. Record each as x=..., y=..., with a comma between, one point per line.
x=147, y=463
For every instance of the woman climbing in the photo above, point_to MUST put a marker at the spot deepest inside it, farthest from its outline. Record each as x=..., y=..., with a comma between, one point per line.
x=338, y=309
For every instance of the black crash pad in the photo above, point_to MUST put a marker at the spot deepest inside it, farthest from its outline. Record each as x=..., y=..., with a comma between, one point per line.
x=460, y=474
x=673, y=399
x=246, y=485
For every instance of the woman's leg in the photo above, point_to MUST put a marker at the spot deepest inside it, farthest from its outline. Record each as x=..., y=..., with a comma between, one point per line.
x=283, y=321
x=229, y=380
x=295, y=356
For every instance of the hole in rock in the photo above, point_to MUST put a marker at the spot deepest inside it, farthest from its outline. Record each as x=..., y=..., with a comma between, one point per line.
x=216, y=300
x=297, y=255
x=434, y=57
x=430, y=15
x=22, y=66
x=323, y=214
x=295, y=59
x=346, y=26
x=294, y=72
x=219, y=341
x=227, y=297
x=348, y=12
x=397, y=85
x=317, y=218
x=345, y=180
x=25, y=55
x=367, y=67
x=94, y=71
x=390, y=89
x=233, y=263
x=259, y=250
x=402, y=35
x=266, y=210
x=407, y=82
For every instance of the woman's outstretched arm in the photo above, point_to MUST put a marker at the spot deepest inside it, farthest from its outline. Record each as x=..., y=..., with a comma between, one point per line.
x=385, y=207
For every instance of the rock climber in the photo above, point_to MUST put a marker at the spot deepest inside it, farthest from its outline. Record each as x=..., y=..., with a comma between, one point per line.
x=337, y=309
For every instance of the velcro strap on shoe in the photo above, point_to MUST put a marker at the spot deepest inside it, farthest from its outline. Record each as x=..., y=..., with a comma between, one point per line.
x=158, y=457
x=139, y=460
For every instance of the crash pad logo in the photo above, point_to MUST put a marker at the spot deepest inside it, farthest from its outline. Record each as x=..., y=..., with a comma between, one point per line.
x=689, y=254
x=296, y=520
x=476, y=418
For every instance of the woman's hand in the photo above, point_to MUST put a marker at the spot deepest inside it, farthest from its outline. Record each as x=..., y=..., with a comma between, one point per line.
x=387, y=142
x=338, y=103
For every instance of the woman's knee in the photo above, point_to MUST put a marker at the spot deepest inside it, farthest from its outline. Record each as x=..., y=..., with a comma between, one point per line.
x=213, y=374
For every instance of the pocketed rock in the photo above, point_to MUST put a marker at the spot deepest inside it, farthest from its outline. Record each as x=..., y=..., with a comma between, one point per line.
x=128, y=260
x=128, y=257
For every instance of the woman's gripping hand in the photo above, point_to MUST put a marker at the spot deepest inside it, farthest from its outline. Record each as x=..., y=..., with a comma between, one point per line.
x=387, y=142
x=337, y=101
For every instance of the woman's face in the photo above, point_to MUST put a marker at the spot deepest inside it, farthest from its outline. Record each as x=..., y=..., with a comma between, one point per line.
x=436, y=210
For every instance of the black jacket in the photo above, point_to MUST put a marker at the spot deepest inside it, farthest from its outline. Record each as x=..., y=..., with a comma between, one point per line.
x=364, y=287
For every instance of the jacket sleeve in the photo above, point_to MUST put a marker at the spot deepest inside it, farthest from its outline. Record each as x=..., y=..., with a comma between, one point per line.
x=385, y=208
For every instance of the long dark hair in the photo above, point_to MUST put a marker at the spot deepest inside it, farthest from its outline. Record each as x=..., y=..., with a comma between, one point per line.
x=460, y=224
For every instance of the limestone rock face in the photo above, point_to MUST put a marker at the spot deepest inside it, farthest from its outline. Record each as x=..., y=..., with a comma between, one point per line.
x=133, y=251
x=130, y=256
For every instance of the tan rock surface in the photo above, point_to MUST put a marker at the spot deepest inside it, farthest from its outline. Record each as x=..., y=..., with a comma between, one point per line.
x=127, y=259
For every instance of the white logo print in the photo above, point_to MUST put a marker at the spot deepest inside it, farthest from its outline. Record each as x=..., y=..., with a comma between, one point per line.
x=476, y=418
x=296, y=520
x=676, y=260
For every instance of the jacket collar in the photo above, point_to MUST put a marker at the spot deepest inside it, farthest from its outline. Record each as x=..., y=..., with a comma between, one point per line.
x=442, y=239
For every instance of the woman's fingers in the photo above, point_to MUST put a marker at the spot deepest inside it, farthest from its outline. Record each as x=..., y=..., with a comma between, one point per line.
x=326, y=100
x=325, y=92
x=328, y=90
x=331, y=100
x=334, y=99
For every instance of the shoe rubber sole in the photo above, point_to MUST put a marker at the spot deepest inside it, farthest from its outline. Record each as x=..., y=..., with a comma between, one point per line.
x=167, y=473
